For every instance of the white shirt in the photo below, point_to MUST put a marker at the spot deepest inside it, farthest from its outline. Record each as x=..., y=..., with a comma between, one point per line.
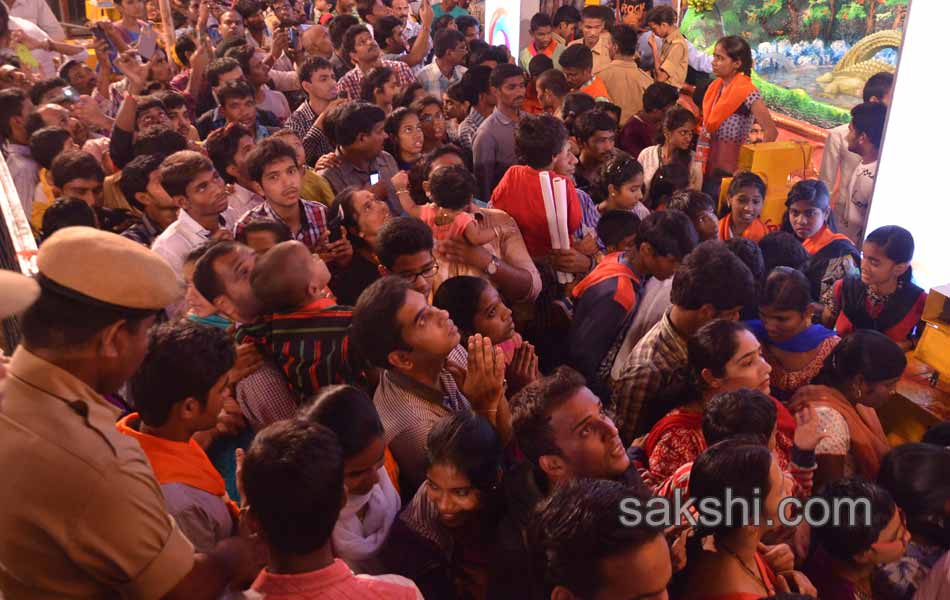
x=859, y=191
x=47, y=67
x=39, y=12
x=25, y=173
x=243, y=200
x=183, y=236
x=276, y=103
x=650, y=160
x=837, y=158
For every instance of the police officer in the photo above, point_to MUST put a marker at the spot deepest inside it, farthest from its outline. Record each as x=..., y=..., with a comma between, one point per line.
x=81, y=514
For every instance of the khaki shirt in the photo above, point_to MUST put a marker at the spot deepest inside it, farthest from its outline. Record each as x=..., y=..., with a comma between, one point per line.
x=601, y=52
x=626, y=82
x=674, y=58
x=81, y=513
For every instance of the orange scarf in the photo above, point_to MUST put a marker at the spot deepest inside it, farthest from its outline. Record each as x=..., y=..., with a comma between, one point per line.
x=754, y=232
x=719, y=104
x=815, y=243
x=178, y=462
x=868, y=442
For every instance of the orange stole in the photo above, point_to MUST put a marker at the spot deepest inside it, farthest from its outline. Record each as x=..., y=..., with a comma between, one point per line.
x=719, y=104
x=817, y=242
x=179, y=462
x=754, y=232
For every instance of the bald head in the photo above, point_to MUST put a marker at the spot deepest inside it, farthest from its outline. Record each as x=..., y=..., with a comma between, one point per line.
x=316, y=42
x=282, y=277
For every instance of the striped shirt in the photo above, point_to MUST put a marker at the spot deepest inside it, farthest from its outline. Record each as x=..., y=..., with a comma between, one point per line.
x=313, y=222
x=469, y=127
x=409, y=409
x=310, y=345
x=350, y=83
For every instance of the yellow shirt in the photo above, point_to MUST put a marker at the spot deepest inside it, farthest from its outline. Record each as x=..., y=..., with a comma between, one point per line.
x=316, y=188
x=626, y=82
x=601, y=52
x=674, y=58
x=81, y=513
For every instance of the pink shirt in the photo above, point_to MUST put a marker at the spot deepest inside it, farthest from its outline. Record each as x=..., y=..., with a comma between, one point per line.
x=335, y=582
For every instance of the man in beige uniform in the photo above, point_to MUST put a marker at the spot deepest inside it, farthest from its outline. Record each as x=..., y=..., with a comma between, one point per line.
x=81, y=514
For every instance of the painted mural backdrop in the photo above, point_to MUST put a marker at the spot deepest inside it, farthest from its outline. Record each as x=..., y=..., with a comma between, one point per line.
x=812, y=57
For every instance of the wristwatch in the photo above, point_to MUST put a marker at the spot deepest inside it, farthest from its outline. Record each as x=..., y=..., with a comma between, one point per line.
x=492, y=267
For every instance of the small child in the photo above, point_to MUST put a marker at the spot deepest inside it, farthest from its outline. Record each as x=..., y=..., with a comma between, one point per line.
x=179, y=390
x=667, y=180
x=303, y=328
x=452, y=190
x=474, y=305
x=617, y=230
x=622, y=186
x=672, y=63
x=293, y=477
x=746, y=196
x=701, y=210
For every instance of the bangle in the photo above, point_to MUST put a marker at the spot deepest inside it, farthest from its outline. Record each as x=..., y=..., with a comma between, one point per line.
x=406, y=191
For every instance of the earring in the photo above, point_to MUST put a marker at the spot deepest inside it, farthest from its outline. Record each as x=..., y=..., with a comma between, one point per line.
x=857, y=393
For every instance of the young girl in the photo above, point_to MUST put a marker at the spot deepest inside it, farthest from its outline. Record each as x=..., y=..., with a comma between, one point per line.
x=679, y=128
x=475, y=307
x=667, y=180
x=883, y=298
x=622, y=183
x=451, y=190
x=746, y=195
x=832, y=256
x=379, y=87
x=794, y=347
x=405, y=137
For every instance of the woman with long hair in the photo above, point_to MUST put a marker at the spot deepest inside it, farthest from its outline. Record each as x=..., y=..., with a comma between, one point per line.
x=404, y=137
x=675, y=145
x=361, y=216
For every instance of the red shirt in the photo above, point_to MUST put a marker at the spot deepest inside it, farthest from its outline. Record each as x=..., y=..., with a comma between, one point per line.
x=519, y=194
x=636, y=135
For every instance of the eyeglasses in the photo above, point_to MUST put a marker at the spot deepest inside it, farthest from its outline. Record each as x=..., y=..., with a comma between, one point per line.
x=428, y=118
x=428, y=272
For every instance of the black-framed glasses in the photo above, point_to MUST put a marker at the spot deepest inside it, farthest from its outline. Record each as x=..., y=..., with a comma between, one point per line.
x=427, y=272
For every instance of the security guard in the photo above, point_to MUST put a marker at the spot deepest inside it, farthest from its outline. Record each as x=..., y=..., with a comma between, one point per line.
x=81, y=514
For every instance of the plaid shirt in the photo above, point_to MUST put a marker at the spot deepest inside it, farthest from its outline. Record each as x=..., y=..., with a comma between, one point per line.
x=434, y=82
x=468, y=127
x=350, y=83
x=303, y=122
x=648, y=369
x=265, y=397
x=409, y=409
x=313, y=222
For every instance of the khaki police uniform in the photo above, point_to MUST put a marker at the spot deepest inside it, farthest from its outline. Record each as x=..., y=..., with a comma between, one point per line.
x=81, y=514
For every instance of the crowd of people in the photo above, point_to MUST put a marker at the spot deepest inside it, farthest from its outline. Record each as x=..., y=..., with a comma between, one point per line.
x=301, y=325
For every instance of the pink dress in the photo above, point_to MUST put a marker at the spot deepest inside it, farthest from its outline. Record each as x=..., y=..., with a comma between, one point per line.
x=430, y=215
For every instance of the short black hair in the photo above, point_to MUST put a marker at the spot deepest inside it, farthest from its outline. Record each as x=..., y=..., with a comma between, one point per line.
x=576, y=528
x=504, y=71
x=878, y=85
x=384, y=28
x=577, y=56
x=47, y=143
x=662, y=14
x=74, y=164
x=266, y=152
x=179, y=169
x=464, y=22
x=851, y=536
x=374, y=331
x=592, y=11
x=782, y=249
x=916, y=477
x=457, y=92
x=610, y=108
x=566, y=14
x=311, y=65
x=616, y=225
x=869, y=118
x=625, y=37
x=184, y=360
x=356, y=119
x=692, y=203
x=539, y=139
x=135, y=176
x=236, y=89
x=338, y=27
x=184, y=44
x=744, y=179
x=219, y=66
x=243, y=54
x=248, y=8
x=475, y=82
x=68, y=66
x=471, y=445
x=422, y=170
x=349, y=413
x=667, y=180
x=281, y=232
x=749, y=253
x=205, y=279
x=713, y=275
x=400, y=236
x=149, y=102
x=408, y=95
x=539, y=64
x=742, y=412
x=159, y=140
x=555, y=82
x=222, y=146
x=659, y=96
x=40, y=88
x=481, y=52
x=453, y=187
x=532, y=407
x=539, y=20
x=592, y=121
x=459, y=296
x=67, y=212
x=442, y=23
x=293, y=482
x=228, y=44
x=669, y=232
x=171, y=99
x=373, y=81
x=11, y=105
x=349, y=38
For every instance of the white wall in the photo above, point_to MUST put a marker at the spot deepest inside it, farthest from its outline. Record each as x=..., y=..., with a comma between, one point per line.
x=911, y=190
